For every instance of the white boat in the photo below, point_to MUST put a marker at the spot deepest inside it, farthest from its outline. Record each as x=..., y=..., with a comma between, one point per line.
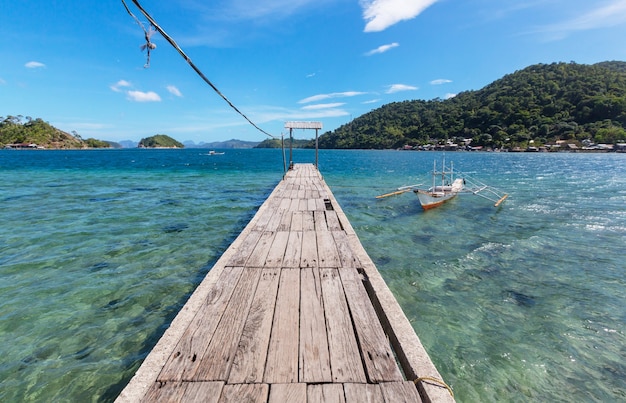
x=213, y=152
x=438, y=194
x=446, y=187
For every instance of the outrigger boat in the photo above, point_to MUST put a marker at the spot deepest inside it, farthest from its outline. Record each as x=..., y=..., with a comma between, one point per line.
x=445, y=187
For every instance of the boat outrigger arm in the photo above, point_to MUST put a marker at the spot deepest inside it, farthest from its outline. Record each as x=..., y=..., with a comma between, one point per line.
x=485, y=191
x=493, y=194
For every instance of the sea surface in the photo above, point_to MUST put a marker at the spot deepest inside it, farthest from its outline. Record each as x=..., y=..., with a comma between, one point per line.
x=524, y=302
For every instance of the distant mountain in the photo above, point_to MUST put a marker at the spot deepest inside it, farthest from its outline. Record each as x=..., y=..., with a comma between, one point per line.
x=223, y=144
x=541, y=104
x=128, y=144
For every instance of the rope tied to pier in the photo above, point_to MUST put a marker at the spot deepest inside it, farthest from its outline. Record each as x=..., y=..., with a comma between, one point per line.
x=434, y=380
x=150, y=46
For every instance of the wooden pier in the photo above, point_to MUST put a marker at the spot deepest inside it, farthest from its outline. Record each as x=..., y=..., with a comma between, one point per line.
x=293, y=311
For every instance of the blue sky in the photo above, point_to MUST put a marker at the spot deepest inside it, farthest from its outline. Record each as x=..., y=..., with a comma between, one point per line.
x=78, y=64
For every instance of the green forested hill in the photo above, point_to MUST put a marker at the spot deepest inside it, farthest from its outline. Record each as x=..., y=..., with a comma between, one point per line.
x=160, y=141
x=540, y=104
x=35, y=131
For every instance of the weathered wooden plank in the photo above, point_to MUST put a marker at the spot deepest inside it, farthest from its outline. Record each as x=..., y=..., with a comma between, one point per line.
x=263, y=219
x=274, y=222
x=347, y=257
x=196, y=337
x=326, y=392
x=401, y=392
x=282, y=356
x=345, y=359
x=320, y=221
x=304, y=204
x=208, y=392
x=333, y=221
x=379, y=359
x=285, y=221
x=216, y=361
x=277, y=250
x=296, y=221
x=314, y=356
x=170, y=392
x=309, y=256
x=295, y=203
x=308, y=224
x=249, y=393
x=259, y=254
x=249, y=362
x=326, y=250
x=284, y=204
x=311, y=204
x=247, y=246
x=293, y=251
x=288, y=393
x=362, y=393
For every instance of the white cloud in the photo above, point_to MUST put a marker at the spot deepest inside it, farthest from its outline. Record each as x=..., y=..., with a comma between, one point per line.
x=381, y=14
x=140, y=96
x=400, y=87
x=321, y=97
x=174, y=91
x=371, y=101
x=323, y=106
x=117, y=87
x=440, y=81
x=382, y=49
x=34, y=65
x=608, y=15
x=449, y=95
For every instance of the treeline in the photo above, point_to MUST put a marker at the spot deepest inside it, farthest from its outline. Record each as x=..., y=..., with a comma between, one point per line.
x=277, y=143
x=538, y=105
x=15, y=130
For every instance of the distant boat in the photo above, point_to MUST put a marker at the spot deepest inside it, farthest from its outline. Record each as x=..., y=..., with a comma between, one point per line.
x=445, y=187
x=213, y=152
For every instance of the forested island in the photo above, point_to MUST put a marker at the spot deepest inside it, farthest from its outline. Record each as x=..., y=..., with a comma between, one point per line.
x=558, y=104
x=25, y=132
x=159, y=141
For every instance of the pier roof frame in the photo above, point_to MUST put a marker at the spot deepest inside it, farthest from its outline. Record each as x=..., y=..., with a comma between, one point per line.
x=303, y=125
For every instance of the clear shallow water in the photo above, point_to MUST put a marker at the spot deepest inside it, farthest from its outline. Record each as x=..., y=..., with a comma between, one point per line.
x=99, y=250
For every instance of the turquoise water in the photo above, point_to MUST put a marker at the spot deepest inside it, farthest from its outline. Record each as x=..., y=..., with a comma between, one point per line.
x=99, y=250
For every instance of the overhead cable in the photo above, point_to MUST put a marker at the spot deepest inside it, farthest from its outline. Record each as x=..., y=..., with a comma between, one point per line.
x=188, y=60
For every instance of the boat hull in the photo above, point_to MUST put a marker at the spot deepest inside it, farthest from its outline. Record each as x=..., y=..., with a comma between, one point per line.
x=430, y=200
x=438, y=195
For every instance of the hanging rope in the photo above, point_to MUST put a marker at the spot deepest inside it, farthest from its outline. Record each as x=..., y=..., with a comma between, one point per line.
x=168, y=38
x=149, y=45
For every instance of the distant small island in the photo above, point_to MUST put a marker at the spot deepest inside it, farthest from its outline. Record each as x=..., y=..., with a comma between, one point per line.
x=159, y=141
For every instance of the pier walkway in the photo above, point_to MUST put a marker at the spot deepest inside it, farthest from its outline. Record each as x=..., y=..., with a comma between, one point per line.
x=293, y=311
